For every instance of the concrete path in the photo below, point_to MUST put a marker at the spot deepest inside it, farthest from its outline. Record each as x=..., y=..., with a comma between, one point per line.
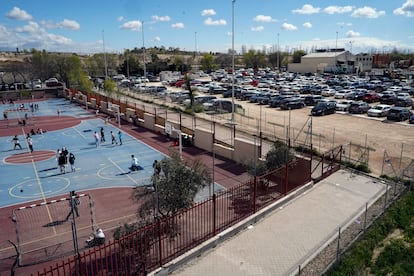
x=293, y=233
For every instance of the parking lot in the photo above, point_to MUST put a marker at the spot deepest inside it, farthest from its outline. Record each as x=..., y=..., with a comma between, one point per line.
x=389, y=141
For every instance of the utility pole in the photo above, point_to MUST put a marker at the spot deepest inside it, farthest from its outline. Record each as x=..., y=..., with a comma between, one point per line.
x=105, y=61
x=143, y=49
x=232, y=61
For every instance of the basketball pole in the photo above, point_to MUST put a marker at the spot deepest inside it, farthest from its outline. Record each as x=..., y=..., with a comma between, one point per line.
x=74, y=232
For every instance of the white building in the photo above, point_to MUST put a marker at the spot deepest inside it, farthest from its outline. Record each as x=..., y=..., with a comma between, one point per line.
x=363, y=62
x=325, y=61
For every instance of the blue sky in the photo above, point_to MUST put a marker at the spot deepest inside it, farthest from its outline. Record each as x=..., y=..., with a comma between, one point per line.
x=90, y=25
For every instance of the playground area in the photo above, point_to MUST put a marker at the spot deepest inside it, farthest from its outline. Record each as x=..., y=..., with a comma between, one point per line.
x=34, y=191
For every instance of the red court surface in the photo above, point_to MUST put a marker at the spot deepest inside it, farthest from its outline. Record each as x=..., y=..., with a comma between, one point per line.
x=113, y=206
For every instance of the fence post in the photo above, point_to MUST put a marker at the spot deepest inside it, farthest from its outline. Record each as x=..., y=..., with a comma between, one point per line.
x=365, y=216
x=159, y=242
x=338, y=244
x=254, y=193
x=214, y=214
x=385, y=198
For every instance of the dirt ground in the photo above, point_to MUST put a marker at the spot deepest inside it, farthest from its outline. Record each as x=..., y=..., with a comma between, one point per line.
x=392, y=142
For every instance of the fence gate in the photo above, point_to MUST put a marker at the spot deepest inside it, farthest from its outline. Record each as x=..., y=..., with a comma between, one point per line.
x=327, y=164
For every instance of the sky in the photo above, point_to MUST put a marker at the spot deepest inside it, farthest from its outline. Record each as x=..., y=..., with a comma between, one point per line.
x=92, y=26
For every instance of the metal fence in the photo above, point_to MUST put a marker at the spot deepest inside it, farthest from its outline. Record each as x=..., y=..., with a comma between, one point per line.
x=342, y=239
x=156, y=244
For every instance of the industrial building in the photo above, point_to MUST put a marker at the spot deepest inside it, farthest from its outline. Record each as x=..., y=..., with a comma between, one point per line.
x=325, y=61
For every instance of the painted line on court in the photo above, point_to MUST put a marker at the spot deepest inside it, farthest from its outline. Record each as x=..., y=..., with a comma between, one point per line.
x=120, y=169
x=43, y=194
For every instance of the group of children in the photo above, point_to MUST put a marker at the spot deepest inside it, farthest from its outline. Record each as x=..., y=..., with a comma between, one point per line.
x=101, y=138
x=63, y=157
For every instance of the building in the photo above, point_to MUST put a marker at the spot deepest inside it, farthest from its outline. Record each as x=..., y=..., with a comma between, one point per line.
x=363, y=62
x=325, y=61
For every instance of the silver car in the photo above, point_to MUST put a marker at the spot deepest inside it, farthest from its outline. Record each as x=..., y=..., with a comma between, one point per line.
x=380, y=110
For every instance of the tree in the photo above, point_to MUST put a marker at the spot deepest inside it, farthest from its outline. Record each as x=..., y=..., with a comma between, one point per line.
x=187, y=80
x=277, y=156
x=254, y=59
x=297, y=55
x=207, y=63
x=174, y=189
x=77, y=77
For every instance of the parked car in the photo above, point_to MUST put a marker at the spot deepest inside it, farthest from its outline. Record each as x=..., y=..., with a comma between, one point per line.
x=323, y=108
x=343, y=105
x=403, y=101
x=312, y=99
x=380, y=110
x=327, y=92
x=358, y=107
x=371, y=97
x=52, y=82
x=388, y=98
x=275, y=101
x=292, y=103
x=399, y=113
x=411, y=119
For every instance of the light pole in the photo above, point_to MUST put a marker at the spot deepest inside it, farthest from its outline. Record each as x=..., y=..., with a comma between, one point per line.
x=143, y=49
x=195, y=53
x=232, y=62
x=105, y=61
x=278, y=51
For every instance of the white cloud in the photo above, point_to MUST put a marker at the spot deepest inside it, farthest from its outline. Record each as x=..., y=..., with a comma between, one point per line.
x=164, y=18
x=352, y=33
x=69, y=24
x=307, y=25
x=407, y=9
x=31, y=27
x=337, y=9
x=306, y=9
x=156, y=39
x=19, y=14
x=134, y=25
x=263, y=18
x=65, y=24
x=208, y=12
x=120, y=19
x=341, y=24
x=211, y=22
x=178, y=25
x=367, y=12
x=289, y=27
x=257, y=29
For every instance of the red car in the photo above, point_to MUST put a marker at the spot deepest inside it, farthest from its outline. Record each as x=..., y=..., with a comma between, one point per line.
x=370, y=97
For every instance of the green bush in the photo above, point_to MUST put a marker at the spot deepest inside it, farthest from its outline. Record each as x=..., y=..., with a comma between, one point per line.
x=397, y=258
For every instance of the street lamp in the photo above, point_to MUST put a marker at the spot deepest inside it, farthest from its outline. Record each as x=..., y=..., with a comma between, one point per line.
x=105, y=61
x=143, y=49
x=195, y=53
x=278, y=51
x=232, y=62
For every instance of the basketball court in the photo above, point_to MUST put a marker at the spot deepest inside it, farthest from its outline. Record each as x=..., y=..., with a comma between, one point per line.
x=31, y=176
x=34, y=194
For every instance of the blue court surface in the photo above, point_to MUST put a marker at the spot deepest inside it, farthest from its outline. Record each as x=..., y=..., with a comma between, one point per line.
x=96, y=167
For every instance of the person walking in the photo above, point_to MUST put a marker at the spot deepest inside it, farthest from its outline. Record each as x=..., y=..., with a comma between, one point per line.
x=30, y=142
x=120, y=137
x=102, y=135
x=16, y=142
x=72, y=161
x=73, y=204
x=114, y=141
x=96, y=136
